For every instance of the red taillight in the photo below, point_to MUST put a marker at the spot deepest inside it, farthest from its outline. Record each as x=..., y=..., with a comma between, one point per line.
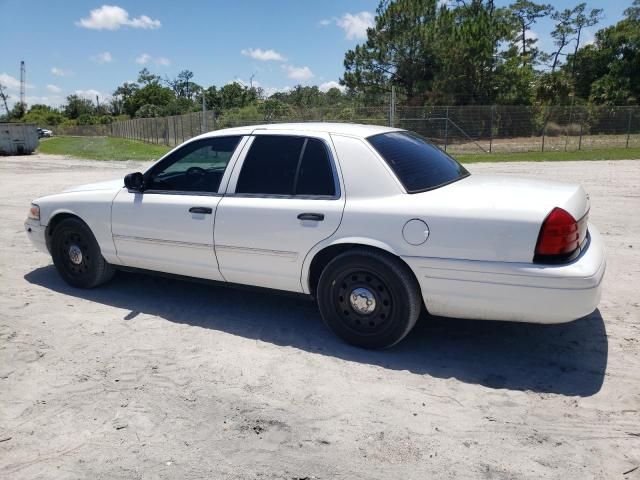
x=560, y=234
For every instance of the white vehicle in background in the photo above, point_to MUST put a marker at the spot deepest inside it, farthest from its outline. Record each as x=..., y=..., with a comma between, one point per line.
x=374, y=222
x=44, y=133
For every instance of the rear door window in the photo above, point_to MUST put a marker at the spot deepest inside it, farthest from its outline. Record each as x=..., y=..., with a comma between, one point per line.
x=270, y=166
x=316, y=175
x=418, y=164
x=286, y=165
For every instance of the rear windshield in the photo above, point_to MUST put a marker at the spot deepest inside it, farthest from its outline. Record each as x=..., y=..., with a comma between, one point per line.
x=417, y=163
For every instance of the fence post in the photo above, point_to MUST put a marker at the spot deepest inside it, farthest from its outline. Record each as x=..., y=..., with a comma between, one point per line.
x=491, y=128
x=628, y=126
x=204, y=114
x=154, y=123
x=446, y=130
x=392, y=106
x=544, y=127
x=175, y=131
x=566, y=140
x=580, y=139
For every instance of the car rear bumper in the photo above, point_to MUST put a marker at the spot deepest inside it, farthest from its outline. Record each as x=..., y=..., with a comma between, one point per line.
x=521, y=292
x=36, y=234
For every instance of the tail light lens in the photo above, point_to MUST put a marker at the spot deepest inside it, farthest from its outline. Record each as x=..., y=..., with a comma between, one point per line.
x=560, y=236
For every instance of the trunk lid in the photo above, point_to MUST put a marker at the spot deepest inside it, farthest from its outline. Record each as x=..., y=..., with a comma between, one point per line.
x=485, y=217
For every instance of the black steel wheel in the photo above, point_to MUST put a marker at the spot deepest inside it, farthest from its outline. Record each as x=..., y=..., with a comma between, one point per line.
x=368, y=298
x=77, y=256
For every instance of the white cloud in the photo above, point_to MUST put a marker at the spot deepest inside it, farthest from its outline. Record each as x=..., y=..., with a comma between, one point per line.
x=589, y=39
x=52, y=101
x=112, y=17
x=145, y=58
x=239, y=81
x=54, y=88
x=90, y=94
x=104, y=57
x=263, y=55
x=12, y=83
x=300, y=74
x=530, y=34
x=325, y=22
x=355, y=25
x=268, y=91
x=9, y=82
x=59, y=72
x=326, y=86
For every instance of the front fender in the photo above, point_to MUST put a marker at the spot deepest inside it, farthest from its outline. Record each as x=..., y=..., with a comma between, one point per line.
x=93, y=208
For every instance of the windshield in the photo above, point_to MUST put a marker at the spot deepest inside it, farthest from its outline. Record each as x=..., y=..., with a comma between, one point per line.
x=418, y=164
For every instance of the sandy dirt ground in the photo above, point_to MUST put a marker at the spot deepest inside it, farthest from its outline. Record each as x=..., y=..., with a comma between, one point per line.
x=151, y=377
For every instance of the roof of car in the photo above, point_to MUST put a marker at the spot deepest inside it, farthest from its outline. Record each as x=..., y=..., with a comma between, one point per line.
x=355, y=129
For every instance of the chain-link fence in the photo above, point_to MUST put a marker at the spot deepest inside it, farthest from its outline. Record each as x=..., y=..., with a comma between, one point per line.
x=459, y=129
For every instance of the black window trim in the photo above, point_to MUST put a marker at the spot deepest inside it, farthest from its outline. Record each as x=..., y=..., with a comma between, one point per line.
x=171, y=155
x=334, y=172
x=421, y=190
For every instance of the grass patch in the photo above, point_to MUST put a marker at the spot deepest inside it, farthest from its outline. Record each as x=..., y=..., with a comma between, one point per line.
x=600, y=154
x=102, y=148
x=108, y=148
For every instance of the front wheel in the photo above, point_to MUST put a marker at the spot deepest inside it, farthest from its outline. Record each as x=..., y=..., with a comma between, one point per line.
x=369, y=299
x=76, y=255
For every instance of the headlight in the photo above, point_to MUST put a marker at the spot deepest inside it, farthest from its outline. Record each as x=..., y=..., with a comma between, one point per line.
x=34, y=212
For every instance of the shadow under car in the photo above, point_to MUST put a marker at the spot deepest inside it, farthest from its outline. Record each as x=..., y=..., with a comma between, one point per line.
x=567, y=359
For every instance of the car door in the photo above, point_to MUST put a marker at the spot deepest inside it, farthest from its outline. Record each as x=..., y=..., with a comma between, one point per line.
x=284, y=197
x=168, y=226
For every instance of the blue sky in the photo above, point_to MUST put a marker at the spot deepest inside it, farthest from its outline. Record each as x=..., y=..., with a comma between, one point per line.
x=89, y=47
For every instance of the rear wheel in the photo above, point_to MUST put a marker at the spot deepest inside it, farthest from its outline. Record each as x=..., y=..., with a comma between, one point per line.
x=369, y=299
x=77, y=256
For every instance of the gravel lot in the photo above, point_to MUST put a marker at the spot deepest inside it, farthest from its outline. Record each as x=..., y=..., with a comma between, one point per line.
x=149, y=377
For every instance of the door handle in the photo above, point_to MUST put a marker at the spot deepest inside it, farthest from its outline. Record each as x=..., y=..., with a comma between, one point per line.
x=318, y=217
x=206, y=210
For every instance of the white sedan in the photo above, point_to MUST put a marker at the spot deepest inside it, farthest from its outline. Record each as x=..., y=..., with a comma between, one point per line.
x=376, y=223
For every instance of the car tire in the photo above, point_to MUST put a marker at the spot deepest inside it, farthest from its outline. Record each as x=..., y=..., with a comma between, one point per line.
x=76, y=255
x=368, y=298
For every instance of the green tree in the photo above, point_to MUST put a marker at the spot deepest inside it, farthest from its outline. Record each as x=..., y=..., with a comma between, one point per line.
x=77, y=106
x=18, y=111
x=151, y=94
x=43, y=115
x=401, y=49
x=236, y=95
x=608, y=71
x=525, y=14
x=145, y=77
x=581, y=21
x=570, y=23
x=182, y=85
x=431, y=52
x=148, y=111
x=272, y=109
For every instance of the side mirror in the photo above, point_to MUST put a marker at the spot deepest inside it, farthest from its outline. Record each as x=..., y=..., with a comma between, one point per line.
x=134, y=181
